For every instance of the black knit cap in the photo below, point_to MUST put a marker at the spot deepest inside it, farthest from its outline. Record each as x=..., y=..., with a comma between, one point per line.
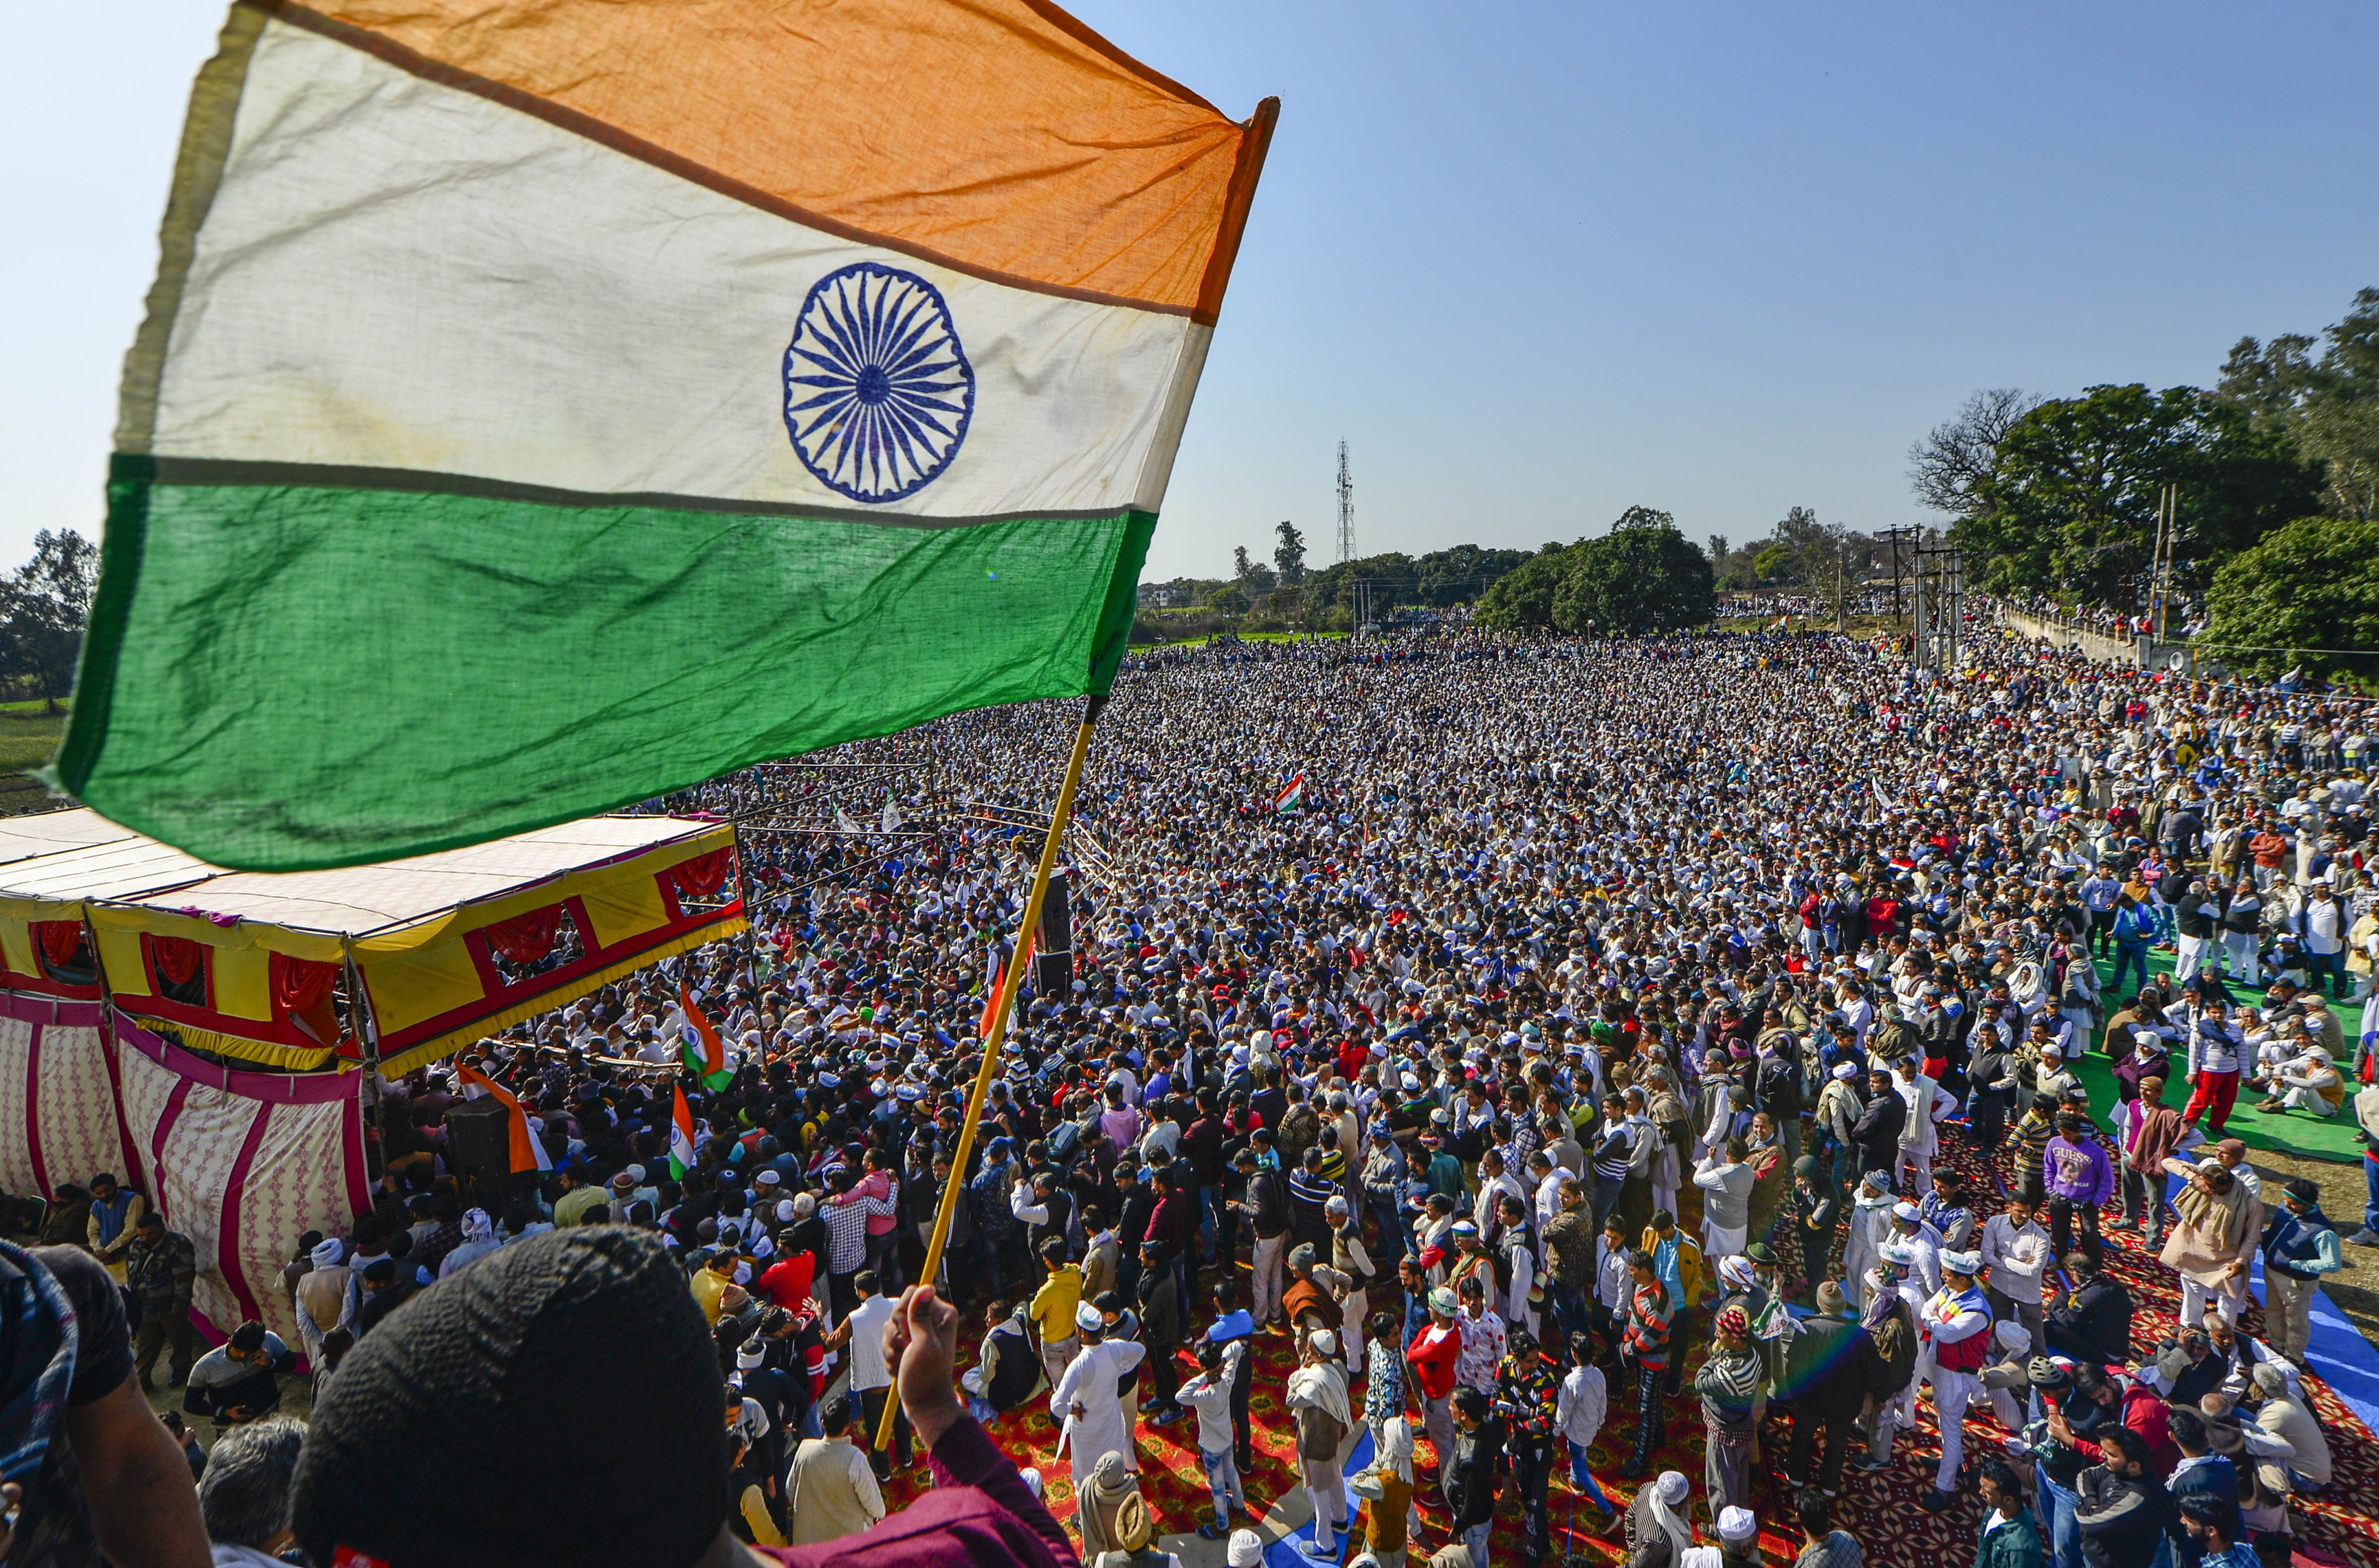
x=482, y=1425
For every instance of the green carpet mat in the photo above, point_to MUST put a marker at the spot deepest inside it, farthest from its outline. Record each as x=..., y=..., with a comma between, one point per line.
x=2285, y=1132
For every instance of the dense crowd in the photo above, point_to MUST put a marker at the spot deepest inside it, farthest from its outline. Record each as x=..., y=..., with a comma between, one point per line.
x=1515, y=1039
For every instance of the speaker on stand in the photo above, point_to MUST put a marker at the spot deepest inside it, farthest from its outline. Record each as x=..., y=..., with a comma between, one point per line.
x=479, y=1152
x=1053, y=966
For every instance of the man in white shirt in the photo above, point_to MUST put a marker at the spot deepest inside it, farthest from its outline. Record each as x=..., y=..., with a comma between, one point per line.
x=1085, y=1402
x=2015, y=1259
x=1578, y=1412
x=862, y=1334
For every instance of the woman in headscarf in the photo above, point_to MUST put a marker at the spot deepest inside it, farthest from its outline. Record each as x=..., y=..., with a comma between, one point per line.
x=2214, y=1242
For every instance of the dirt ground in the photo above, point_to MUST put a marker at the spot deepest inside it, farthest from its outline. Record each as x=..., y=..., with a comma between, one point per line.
x=2356, y=1288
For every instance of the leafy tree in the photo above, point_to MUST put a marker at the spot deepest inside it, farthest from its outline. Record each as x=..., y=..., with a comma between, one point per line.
x=2328, y=407
x=1642, y=576
x=1252, y=576
x=1717, y=548
x=1461, y=575
x=1774, y=564
x=1959, y=456
x=44, y=605
x=2073, y=495
x=2307, y=589
x=1288, y=556
x=1230, y=600
x=1522, y=600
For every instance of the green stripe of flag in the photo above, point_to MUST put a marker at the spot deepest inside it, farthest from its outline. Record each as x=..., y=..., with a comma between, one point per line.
x=316, y=676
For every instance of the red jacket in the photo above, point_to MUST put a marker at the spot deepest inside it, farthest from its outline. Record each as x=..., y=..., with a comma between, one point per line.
x=1434, y=1351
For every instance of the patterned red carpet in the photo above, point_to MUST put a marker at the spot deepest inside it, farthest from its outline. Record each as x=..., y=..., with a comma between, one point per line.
x=2340, y=1526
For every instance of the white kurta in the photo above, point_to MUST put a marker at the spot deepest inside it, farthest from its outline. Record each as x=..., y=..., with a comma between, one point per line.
x=1101, y=1429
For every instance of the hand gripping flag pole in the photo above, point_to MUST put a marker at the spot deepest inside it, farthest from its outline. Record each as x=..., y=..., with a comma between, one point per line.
x=997, y=1035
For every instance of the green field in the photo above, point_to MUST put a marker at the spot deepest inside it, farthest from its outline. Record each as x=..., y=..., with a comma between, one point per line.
x=28, y=739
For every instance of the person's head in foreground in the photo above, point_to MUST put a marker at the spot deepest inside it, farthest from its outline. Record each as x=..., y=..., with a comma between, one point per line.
x=482, y=1426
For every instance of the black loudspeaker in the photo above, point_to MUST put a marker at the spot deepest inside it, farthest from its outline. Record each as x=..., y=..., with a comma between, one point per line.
x=479, y=1146
x=1053, y=967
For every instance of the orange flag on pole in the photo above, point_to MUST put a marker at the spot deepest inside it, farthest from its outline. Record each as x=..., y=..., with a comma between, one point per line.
x=528, y=1154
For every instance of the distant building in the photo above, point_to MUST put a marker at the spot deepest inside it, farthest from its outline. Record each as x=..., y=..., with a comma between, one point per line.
x=1174, y=594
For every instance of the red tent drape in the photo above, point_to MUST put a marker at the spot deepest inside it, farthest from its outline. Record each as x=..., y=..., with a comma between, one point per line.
x=525, y=938
x=703, y=874
x=300, y=985
x=178, y=957
x=59, y=938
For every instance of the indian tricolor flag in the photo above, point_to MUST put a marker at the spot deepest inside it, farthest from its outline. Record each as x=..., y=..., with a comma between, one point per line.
x=681, y=1138
x=544, y=405
x=1292, y=797
x=527, y=1154
x=704, y=1052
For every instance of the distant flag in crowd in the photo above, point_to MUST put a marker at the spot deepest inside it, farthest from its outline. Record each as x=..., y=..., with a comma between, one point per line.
x=528, y=1151
x=661, y=388
x=681, y=1138
x=706, y=1056
x=1292, y=797
x=999, y=979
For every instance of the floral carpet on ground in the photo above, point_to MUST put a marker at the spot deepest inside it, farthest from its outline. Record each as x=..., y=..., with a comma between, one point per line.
x=2341, y=1525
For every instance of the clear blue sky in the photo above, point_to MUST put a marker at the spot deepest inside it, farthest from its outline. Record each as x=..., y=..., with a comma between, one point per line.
x=1535, y=262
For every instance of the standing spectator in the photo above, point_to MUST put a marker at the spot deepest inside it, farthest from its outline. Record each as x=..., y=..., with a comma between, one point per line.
x=1578, y=1413
x=1729, y=1383
x=160, y=1271
x=2079, y=1180
x=1828, y=1366
x=1822, y=1546
x=1644, y=1346
x=1435, y=1352
x=830, y=1488
x=2300, y=1245
x=2220, y=1223
x=1478, y=1446
x=2015, y=1262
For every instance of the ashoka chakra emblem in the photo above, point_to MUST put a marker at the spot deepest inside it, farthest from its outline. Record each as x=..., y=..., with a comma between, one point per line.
x=878, y=389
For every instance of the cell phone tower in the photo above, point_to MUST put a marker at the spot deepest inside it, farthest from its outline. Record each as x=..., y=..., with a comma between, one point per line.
x=1345, y=509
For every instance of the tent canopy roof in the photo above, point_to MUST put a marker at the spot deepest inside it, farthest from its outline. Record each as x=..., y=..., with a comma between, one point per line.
x=90, y=859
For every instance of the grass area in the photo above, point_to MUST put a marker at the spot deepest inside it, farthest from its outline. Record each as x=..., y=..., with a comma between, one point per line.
x=2298, y=1133
x=27, y=736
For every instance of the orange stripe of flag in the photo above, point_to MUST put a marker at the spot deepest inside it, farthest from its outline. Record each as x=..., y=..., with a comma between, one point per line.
x=1001, y=137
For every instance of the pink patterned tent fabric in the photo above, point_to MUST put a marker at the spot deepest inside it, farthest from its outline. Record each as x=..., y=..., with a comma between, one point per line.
x=241, y=1163
x=58, y=1116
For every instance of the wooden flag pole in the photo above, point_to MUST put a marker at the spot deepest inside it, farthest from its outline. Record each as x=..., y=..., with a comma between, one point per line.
x=997, y=1034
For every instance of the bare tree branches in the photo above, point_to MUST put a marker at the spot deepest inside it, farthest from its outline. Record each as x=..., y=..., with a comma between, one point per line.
x=1959, y=454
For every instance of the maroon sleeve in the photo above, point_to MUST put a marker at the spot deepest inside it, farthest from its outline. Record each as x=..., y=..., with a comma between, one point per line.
x=967, y=1457
x=979, y=1515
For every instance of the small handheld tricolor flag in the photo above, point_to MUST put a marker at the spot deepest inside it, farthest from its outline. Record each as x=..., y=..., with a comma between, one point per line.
x=704, y=1057
x=1292, y=797
x=527, y=1154
x=681, y=1138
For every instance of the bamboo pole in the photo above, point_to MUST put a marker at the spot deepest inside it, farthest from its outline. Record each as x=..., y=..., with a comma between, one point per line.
x=997, y=1034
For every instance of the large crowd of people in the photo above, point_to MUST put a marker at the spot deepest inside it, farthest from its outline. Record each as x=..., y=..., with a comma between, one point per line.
x=1541, y=1059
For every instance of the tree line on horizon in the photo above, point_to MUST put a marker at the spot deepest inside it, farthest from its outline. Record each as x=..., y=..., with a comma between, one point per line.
x=2275, y=468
